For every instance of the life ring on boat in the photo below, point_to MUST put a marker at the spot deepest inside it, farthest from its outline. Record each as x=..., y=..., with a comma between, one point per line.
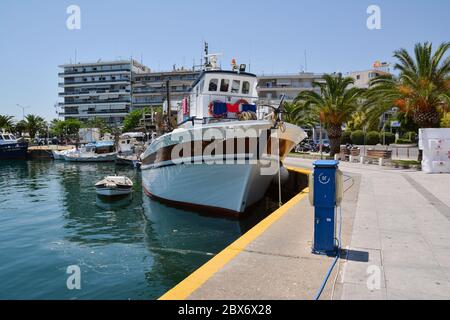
x=211, y=109
x=238, y=104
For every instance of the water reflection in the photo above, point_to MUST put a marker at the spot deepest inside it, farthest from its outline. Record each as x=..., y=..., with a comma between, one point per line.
x=113, y=203
x=132, y=247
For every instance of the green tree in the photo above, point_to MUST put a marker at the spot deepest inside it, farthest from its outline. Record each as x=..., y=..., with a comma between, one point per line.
x=96, y=123
x=6, y=122
x=334, y=105
x=132, y=120
x=66, y=128
x=20, y=127
x=422, y=89
x=34, y=125
x=293, y=113
x=445, y=121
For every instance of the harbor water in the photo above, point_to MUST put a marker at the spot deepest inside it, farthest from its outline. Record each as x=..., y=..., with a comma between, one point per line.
x=130, y=248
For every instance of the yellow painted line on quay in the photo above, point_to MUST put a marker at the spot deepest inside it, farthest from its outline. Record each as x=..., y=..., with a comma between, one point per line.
x=194, y=281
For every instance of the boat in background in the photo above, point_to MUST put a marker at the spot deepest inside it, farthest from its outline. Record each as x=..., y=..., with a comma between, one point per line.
x=11, y=147
x=59, y=155
x=114, y=186
x=102, y=151
x=130, y=160
x=131, y=145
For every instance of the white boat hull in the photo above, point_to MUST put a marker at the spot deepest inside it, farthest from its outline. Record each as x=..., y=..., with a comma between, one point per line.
x=238, y=179
x=109, y=192
x=107, y=157
x=217, y=188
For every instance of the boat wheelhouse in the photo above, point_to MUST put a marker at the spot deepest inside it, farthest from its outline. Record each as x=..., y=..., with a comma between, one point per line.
x=219, y=96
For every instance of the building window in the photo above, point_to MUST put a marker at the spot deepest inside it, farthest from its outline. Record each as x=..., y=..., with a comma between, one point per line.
x=235, y=86
x=358, y=77
x=213, y=85
x=246, y=87
x=224, y=85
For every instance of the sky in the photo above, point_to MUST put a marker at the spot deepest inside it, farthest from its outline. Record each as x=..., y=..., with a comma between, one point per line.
x=269, y=35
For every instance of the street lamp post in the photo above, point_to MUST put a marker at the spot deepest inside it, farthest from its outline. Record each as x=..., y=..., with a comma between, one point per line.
x=23, y=110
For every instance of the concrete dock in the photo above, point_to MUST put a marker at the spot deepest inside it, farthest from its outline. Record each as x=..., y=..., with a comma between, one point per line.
x=395, y=240
x=45, y=152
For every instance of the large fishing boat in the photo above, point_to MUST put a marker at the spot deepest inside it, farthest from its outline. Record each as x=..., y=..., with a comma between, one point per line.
x=11, y=148
x=223, y=154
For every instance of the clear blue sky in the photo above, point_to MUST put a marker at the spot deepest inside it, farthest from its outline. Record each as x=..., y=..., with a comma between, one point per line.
x=273, y=34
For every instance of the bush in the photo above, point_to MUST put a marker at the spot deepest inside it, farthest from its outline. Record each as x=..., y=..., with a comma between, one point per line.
x=387, y=137
x=409, y=136
x=357, y=137
x=445, y=121
x=346, y=137
x=373, y=138
x=404, y=141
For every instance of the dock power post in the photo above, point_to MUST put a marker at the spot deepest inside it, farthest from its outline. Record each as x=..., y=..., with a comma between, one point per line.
x=325, y=194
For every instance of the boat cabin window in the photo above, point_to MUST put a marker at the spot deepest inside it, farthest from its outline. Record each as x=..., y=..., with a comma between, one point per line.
x=224, y=85
x=213, y=84
x=235, y=86
x=246, y=87
x=202, y=84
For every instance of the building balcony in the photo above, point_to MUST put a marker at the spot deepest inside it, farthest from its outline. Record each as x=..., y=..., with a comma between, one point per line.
x=99, y=102
x=158, y=91
x=92, y=83
x=275, y=88
x=95, y=112
x=94, y=93
x=96, y=72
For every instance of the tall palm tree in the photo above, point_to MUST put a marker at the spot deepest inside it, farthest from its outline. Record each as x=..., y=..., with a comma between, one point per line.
x=34, y=124
x=6, y=122
x=293, y=113
x=333, y=106
x=421, y=90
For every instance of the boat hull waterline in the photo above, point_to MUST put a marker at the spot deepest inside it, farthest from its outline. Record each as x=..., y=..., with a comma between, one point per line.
x=108, y=157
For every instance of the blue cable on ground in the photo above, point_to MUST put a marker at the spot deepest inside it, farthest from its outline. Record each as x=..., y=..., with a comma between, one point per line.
x=325, y=280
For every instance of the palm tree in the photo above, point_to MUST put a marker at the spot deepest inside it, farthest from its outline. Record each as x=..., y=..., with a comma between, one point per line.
x=293, y=113
x=20, y=127
x=422, y=89
x=34, y=124
x=334, y=105
x=6, y=122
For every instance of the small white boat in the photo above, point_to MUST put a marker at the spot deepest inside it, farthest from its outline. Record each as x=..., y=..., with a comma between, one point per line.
x=59, y=154
x=103, y=151
x=114, y=186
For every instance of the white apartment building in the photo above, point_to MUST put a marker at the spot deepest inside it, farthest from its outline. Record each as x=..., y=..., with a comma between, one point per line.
x=363, y=78
x=149, y=88
x=273, y=87
x=98, y=90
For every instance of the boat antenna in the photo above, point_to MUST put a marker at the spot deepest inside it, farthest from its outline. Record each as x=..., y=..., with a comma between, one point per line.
x=306, y=62
x=206, y=54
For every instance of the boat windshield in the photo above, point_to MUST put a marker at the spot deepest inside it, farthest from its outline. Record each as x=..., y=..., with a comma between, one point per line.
x=6, y=137
x=1, y=137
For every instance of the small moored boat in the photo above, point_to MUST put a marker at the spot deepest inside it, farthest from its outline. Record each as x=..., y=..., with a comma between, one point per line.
x=114, y=186
x=102, y=151
x=12, y=148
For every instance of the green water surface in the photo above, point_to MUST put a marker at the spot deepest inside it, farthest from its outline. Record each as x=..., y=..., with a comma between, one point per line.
x=132, y=248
